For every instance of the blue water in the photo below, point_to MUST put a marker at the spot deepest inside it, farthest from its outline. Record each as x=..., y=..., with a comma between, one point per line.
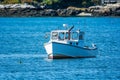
x=23, y=57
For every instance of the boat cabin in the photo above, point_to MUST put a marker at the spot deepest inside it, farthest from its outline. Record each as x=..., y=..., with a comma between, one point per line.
x=66, y=35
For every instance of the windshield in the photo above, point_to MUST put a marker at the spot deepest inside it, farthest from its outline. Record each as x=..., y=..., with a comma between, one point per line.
x=61, y=35
x=65, y=36
x=54, y=35
x=74, y=36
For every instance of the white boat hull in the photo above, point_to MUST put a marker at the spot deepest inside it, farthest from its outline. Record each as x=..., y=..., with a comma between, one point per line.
x=59, y=50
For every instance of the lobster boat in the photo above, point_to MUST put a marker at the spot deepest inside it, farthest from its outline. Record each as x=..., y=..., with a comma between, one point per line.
x=68, y=44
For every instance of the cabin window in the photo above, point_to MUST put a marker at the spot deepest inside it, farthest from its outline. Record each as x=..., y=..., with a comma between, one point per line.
x=74, y=35
x=67, y=35
x=80, y=37
x=61, y=35
x=54, y=35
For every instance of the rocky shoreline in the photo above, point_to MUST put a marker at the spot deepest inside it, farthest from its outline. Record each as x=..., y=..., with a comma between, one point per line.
x=108, y=10
x=31, y=11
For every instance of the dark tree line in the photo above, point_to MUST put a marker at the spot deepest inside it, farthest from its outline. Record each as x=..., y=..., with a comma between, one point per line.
x=75, y=3
x=58, y=3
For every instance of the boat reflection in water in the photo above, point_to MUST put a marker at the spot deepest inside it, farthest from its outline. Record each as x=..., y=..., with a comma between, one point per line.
x=68, y=44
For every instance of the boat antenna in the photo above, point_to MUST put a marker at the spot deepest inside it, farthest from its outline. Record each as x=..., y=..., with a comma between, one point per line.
x=71, y=28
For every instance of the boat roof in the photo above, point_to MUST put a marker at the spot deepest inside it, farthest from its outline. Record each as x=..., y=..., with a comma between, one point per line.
x=64, y=30
x=67, y=30
x=60, y=31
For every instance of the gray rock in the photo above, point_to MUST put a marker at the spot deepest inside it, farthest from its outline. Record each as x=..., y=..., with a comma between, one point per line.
x=17, y=6
x=61, y=12
x=50, y=12
x=108, y=10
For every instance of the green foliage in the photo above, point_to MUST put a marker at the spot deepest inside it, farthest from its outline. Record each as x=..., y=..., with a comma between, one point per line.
x=10, y=1
x=60, y=3
x=1, y=0
x=50, y=2
x=38, y=0
x=95, y=2
x=84, y=3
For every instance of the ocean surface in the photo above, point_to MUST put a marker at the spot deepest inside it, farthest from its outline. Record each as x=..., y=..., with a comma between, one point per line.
x=23, y=57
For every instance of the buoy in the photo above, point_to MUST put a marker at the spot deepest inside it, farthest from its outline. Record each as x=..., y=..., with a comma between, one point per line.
x=20, y=62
